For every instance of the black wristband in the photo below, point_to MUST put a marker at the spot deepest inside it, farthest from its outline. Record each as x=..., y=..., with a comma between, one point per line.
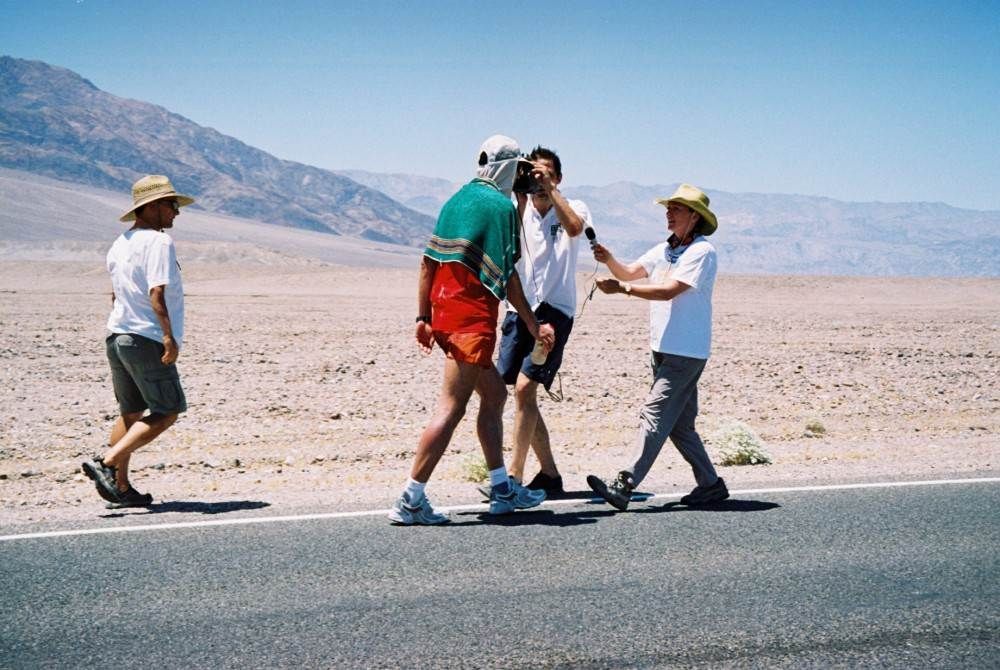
x=425, y=319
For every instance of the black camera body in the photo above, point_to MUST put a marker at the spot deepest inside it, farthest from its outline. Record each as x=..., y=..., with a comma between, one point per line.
x=524, y=180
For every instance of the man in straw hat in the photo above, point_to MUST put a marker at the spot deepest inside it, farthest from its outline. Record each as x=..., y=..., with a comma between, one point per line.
x=467, y=268
x=681, y=274
x=147, y=330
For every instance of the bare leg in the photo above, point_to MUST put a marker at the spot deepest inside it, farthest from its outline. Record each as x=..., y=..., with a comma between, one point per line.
x=543, y=449
x=118, y=431
x=530, y=430
x=140, y=433
x=459, y=381
x=489, y=423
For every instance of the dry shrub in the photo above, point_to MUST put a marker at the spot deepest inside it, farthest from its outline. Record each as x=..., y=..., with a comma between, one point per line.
x=739, y=445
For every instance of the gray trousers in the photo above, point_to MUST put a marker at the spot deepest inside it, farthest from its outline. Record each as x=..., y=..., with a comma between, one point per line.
x=669, y=411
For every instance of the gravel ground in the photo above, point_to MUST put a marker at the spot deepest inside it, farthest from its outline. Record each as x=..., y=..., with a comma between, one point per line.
x=306, y=390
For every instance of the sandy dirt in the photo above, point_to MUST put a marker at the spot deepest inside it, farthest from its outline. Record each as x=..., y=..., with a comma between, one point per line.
x=307, y=392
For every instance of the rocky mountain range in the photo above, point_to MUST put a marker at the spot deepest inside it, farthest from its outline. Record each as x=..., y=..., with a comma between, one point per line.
x=55, y=123
x=775, y=233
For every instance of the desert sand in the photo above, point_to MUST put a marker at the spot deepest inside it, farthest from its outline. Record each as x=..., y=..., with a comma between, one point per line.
x=306, y=390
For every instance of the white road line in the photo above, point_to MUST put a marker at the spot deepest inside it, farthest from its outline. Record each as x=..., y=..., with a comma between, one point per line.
x=462, y=508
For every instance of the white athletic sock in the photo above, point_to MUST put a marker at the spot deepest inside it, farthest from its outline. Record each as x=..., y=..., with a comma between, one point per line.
x=414, y=491
x=498, y=477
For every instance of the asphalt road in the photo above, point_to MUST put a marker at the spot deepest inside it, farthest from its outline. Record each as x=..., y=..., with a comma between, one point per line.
x=895, y=578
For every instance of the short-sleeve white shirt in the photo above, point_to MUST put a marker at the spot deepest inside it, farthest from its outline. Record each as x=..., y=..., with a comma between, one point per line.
x=138, y=261
x=682, y=326
x=548, y=259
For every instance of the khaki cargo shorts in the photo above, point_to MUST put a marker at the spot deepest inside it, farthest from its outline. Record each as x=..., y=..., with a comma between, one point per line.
x=140, y=378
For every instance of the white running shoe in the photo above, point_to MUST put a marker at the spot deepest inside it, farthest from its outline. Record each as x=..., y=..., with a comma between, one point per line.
x=518, y=497
x=420, y=515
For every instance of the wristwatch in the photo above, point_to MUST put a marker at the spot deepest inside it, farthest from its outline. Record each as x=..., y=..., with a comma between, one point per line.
x=424, y=318
x=627, y=287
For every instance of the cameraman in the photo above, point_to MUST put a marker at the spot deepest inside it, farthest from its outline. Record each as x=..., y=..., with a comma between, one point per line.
x=681, y=274
x=550, y=232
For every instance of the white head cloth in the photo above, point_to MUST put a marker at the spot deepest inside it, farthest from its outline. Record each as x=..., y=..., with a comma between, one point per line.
x=497, y=160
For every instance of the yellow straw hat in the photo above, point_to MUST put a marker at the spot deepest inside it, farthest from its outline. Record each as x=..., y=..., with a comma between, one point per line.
x=695, y=198
x=149, y=188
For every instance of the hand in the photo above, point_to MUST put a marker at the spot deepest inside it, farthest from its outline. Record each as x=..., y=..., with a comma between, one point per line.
x=424, y=336
x=601, y=254
x=170, y=351
x=544, y=176
x=610, y=285
x=547, y=336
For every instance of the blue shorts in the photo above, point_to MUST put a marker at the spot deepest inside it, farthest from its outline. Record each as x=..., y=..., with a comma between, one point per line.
x=516, y=344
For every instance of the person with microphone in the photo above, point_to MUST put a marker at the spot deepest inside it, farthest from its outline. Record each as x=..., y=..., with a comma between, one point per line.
x=681, y=273
x=550, y=233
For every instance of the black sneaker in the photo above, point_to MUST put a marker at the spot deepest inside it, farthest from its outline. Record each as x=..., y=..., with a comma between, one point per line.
x=546, y=483
x=131, y=498
x=100, y=491
x=618, y=494
x=104, y=476
x=706, y=495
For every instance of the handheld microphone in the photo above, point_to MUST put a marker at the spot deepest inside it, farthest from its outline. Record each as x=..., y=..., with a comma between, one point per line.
x=591, y=236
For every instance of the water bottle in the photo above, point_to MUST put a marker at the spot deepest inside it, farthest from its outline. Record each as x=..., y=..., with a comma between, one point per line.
x=538, y=354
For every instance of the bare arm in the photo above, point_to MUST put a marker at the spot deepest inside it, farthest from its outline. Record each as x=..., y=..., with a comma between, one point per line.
x=428, y=268
x=424, y=334
x=666, y=291
x=515, y=296
x=629, y=272
x=522, y=204
x=159, y=302
x=566, y=215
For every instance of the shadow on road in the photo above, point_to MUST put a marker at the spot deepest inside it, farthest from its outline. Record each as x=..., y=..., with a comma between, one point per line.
x=541, y=517
x=723, y=506
x=572, y=495
x=190, y=507
x=546, y=517
x=674, y=506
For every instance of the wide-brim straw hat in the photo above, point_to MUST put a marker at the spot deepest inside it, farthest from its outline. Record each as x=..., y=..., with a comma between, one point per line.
x=149, y=188
x=695, y=198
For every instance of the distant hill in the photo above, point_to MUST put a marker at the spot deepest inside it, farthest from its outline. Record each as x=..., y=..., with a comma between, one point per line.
x=797, y=234
x=424, y=194
x=777, y=233
x=45, y=219
x=55, y=123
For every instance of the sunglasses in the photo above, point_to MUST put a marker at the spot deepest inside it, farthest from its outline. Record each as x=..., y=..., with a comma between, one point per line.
x=173, y=205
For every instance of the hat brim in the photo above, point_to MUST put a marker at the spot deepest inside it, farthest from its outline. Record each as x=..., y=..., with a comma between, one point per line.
x=182, y=201
x=711, y=223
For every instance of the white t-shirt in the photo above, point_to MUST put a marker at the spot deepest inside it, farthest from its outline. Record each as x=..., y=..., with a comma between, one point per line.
x=138, y=261
x=682, y=326
x=548, y=258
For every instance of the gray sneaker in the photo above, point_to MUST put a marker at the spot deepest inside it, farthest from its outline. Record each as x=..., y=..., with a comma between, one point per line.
x=419, y=515
x=518, y=497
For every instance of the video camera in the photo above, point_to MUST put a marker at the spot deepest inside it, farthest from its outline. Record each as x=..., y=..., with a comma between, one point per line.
x=524, y=180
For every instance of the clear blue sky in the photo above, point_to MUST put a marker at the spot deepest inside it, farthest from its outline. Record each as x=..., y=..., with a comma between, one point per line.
x=892, y=101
